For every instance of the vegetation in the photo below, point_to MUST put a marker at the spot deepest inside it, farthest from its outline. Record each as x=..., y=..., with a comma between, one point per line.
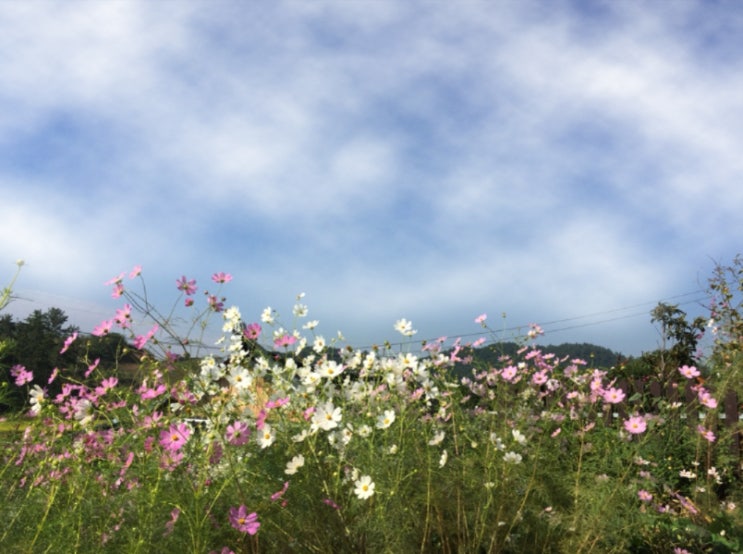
x=323, y=448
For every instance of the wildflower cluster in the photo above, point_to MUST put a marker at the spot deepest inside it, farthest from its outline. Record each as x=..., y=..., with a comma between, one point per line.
x=283, y=441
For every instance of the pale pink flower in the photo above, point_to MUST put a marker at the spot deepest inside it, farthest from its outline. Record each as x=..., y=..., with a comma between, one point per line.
x=689, y=371
x=706, y=399
x=481, y=318
x=141, y=340
x=284, y=340
x=115, y=280
x=509, y=372
x=123, y=316
x=613, y=395
x=136, y=272
x=706, y=433
x=91, y=367
x=104, y=328
x=644, y=495
x=635, y=425
x=540, y=377
x=221, y=277
x=21, y=375
x=68, y=341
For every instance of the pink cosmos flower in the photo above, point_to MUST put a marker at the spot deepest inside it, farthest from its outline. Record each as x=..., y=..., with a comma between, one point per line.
x=275, y=496
x=91, y=367
x=215, y=304
x=141, y=340
x=237, y=433
x=509, y=372
x=478, y=342
x=118, y=290
x=123, y=316
x=330, y=503
x=285, y=340
x=170, y=525
x=221, y=277
x=189, y=287
x=115, y=280
x=241, y=520
x=68, y=341
x=174, y=438
x=252, y=331
x=706, y=433
x=481, y=318
x=689, y=371
x=188, y=302
x=613, y=395
x=136, y=272
x=706, y=399
x=21, y=375
x=106, y=385
x=147, y=393
x=644, y=495
x=540, y=377
x=104, y=328
x=635, y=425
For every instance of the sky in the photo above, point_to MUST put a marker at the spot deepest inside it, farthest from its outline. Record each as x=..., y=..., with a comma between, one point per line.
x=564, y=163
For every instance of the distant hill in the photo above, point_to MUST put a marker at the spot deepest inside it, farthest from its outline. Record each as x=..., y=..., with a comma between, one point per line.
x=594, y=355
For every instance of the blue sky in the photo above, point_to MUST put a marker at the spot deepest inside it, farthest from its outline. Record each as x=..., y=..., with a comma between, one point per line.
x=567, y=163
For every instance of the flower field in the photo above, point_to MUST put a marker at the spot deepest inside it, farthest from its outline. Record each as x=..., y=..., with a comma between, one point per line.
x=312, y=446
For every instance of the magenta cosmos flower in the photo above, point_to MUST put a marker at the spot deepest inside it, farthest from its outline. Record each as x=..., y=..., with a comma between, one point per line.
x=237, y=433
x=189, y=287
x=635, y=425
x=175, y=437
x=241, y=520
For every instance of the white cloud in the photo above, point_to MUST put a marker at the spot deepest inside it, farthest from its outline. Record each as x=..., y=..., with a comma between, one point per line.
x=394, y=158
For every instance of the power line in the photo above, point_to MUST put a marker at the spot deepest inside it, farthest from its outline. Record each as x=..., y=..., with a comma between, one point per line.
x=574, y=318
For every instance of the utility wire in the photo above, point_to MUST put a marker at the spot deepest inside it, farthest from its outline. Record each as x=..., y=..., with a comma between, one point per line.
x=545, y=324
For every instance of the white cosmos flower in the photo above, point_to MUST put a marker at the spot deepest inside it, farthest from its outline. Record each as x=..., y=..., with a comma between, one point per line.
x=364, y=487
x=327, y=416
x=267, y=436
x=386, y=419
x=404, y=327
x=512, y=457
x=437, y=438
x=518, y=436
x=294, y=464
x=267, y=315
x=231, y=318
x=443, y=459
x=319, y=344
x=329, y=369
x=240, y=378
x=37, y=399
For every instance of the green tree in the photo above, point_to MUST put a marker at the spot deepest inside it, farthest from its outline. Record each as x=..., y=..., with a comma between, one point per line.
x=679, y=345
x=36, y=343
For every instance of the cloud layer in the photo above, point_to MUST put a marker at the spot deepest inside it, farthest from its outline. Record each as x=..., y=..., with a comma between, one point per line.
x=390, y=159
